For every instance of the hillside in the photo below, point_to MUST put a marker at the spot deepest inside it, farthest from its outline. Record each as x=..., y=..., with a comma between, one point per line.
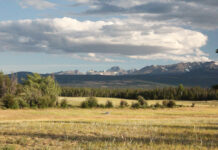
x=188, y=74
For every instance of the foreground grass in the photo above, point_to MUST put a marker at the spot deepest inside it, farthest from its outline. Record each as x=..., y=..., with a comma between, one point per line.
x=178, y=128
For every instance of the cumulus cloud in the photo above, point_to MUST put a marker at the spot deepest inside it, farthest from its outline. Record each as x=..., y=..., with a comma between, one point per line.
x=116, y=36
x=38, y=4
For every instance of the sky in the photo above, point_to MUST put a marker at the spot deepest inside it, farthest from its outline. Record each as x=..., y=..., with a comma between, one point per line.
x=47, y=36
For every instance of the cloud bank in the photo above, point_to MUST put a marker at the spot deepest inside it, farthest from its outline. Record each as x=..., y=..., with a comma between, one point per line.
x=126, y=37
x=38, y=4
x=194, y=13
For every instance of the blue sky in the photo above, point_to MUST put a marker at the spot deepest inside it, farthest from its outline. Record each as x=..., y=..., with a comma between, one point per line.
x=49, y=36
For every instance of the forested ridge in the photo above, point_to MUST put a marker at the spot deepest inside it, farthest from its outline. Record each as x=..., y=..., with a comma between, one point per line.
x=176, y=93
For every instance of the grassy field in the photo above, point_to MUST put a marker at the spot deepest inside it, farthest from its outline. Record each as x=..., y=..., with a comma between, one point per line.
x=164, y=129
x=76, y=101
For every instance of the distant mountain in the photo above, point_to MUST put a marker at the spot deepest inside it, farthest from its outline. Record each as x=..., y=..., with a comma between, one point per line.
x=154, y=69
x=189, y=74
x=74, y=72
x=179, y=68
x=115, y=69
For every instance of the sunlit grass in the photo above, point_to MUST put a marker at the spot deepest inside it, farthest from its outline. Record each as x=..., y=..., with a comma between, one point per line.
x=76, y=101
x=163, y=128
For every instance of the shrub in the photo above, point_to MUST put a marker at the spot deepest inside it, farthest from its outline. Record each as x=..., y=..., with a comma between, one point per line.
x=142, y=102
x=135, y=105
x=169, y=104
x=22, y=103
x=101, y=105
x=193, y=105
x=164, y=103
x=157, y=105
x=109, y=104
x=43, y=102
x=91, y=102
x=63, y=103
x=123, y=104
x=57, y=104
x=9, y=101
x=85, y=104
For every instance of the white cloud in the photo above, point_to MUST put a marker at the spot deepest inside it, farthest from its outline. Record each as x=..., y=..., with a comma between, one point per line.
x=185, y=58
x=96, y=58
x=125, y=37
x=38, y=4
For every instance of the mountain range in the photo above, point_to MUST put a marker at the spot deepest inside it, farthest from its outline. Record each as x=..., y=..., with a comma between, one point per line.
x=154, y=69
x=204, y=74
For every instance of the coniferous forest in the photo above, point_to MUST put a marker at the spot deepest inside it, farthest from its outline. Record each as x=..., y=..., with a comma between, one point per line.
x=41, y=92
x=34, y=92
x=174, y=93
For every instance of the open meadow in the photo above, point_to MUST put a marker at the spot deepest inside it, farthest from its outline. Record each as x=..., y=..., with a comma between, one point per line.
x=181, y=128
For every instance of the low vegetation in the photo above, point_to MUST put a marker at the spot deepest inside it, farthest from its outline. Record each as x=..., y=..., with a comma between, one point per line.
x=92, y=102
x=123, y=104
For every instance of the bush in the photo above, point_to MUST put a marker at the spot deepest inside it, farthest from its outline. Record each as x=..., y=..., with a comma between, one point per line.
x=157, y=105
x=109, y=104
x=123, y=104
x=135, y=105
x=91, y=102
x=164, y=103
x=169, y=104
x=22, y=103
x=142, y=102
x=85, y=104
x=101, y=105
x=9, y=101
x=43, y=102
x=63, y=103
x=193, y=105
x=57, y=104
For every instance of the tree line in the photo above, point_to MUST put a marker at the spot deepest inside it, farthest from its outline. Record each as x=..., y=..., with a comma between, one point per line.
x=171, y=93
x=42, y=91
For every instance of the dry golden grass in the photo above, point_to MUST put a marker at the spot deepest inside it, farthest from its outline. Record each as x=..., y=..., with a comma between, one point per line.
x=76, y=101
x=178, y=128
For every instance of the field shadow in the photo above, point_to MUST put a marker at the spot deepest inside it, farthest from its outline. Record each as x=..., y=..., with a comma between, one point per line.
x=167, y=138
